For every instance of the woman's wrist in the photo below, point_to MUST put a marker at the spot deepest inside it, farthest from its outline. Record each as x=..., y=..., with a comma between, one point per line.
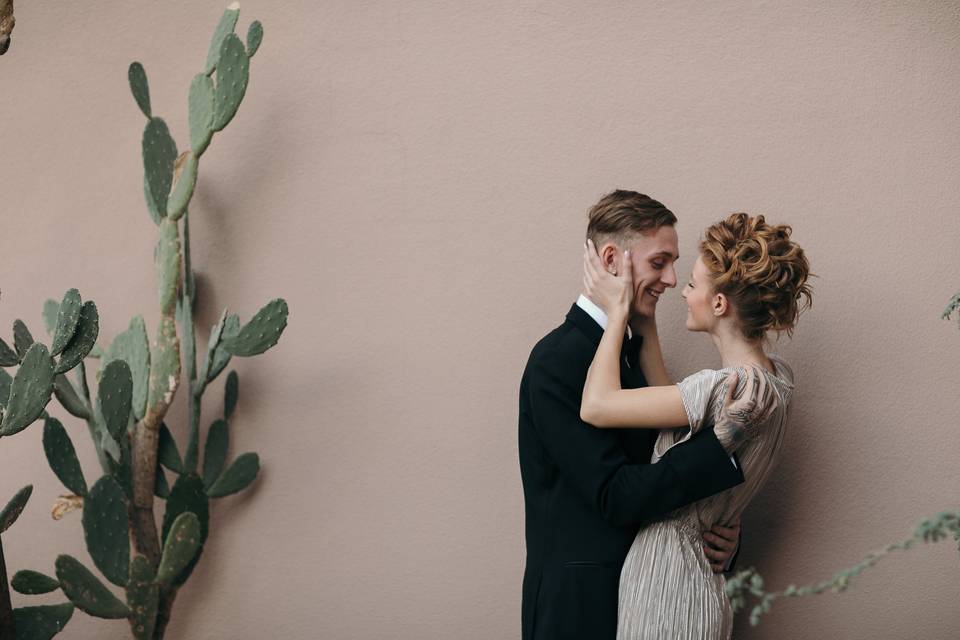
x=617, y=321
x=619, y=313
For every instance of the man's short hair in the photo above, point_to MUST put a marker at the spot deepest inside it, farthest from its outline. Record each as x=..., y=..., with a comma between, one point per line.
x=622, y=213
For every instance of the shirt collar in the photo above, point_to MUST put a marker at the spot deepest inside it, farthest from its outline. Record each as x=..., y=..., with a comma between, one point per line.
x=595, y=312
x=598, y=314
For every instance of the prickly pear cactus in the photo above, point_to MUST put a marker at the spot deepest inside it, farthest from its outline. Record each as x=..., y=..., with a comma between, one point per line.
x=135, y=384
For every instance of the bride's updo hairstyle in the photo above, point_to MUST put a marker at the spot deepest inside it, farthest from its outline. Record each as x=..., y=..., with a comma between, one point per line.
x=760, y=270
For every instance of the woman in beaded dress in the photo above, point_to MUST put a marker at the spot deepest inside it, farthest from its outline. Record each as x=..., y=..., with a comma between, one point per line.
x=749, y=279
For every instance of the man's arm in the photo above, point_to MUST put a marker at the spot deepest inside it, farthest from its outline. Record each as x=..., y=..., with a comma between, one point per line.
x=591, y=460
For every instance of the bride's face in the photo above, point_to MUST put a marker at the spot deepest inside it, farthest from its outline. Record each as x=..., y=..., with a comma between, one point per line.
x=699, y=296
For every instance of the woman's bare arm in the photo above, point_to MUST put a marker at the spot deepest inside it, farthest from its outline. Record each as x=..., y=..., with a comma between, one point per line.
x=604, y=402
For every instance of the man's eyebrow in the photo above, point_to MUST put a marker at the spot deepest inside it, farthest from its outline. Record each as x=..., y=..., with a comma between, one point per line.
x=666, y=254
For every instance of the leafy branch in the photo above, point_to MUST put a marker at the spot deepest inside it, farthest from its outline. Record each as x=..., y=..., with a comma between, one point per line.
x=750, y=583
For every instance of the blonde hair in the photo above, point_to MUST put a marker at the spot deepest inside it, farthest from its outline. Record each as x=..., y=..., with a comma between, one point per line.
x=761, y=270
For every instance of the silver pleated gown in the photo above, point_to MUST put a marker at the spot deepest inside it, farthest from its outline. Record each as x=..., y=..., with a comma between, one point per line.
x=667, y=589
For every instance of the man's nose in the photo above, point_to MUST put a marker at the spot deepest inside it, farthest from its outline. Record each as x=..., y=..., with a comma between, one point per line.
x=669, y=277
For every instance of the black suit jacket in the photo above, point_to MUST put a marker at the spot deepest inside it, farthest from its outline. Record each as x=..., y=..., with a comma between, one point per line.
x=587, y=490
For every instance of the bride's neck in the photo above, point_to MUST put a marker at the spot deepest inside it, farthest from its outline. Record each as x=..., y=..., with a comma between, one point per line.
x=736, y=351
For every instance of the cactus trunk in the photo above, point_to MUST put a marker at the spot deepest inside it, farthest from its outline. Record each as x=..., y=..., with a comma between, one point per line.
x=164, y=380
x=167, y=597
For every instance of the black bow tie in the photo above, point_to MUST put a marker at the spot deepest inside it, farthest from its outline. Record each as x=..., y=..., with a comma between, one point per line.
x=631, y=350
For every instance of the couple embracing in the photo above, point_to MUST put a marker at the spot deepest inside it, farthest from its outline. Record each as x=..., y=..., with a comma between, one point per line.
x=633, y=486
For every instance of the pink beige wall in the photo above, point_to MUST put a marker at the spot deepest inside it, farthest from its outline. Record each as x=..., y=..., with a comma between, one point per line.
x=413, y=178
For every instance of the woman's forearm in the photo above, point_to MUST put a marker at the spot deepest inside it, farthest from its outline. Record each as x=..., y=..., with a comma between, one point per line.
x=605, y=404
x=603, y=377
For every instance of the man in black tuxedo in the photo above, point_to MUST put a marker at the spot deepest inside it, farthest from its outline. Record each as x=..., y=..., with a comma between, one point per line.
x=588, y=491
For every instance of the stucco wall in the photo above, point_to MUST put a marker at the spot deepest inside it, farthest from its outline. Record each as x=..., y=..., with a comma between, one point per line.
x=413, y=178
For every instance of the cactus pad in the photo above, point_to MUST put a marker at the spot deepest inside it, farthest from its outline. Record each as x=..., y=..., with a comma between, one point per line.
x=32, y=583
x=68, y=314
x=213, y=343
x=152, y=208
x=121, y=469
x=62, y=457
x=15, y=507
x=133, y=346
x=231, y=391
x=8, y=357
x=139, y=87
x=228, y=22
x=168, y=265
x=254, y=37
x=30, y=390
x=262, y=332
x=215, y=452
x=84, y=338
x=183, y=187
x=5, y=382
x=109, y=445
x=161, y=488
x=114, y=395
x=21, y=337
x=43, y=622
x=50, y=309
x=180, y=547
x=233, y=73
x=201, y=113
x=167, y=453
x=68, y=397
x=142, y=597
x=159, y=154
x=86, y=591
x=105, y=530
x=238, y=477
x=187, y=495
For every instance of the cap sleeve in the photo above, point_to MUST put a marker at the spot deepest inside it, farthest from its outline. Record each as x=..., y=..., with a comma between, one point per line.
x=699, y=393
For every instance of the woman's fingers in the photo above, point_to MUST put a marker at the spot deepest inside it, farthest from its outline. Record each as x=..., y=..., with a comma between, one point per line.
x=589, y=258
x=732, y=380
x=589, y=273
x=628, y=269
x=593, y=259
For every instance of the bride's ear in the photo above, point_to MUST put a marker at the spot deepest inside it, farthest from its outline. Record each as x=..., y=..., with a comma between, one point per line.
x=721, y=305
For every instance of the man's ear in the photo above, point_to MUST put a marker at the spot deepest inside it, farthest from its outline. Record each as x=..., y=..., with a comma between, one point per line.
x=721, y=305
x=610, y=257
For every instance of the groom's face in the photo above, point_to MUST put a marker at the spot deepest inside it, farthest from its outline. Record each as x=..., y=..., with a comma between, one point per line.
x=653, y=255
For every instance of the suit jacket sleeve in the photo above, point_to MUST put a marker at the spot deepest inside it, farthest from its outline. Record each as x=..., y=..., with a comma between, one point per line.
x=591, y=460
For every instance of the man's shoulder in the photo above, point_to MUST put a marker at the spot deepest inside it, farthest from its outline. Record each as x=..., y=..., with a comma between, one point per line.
x=565, y=349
